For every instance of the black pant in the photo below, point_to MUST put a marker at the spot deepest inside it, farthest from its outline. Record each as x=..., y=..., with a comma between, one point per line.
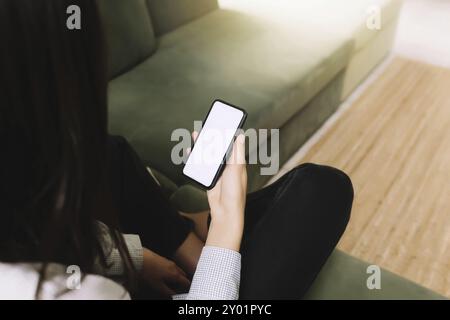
x=291, y=227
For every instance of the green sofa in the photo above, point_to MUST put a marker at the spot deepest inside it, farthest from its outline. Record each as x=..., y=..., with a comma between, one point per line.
x=288, y=63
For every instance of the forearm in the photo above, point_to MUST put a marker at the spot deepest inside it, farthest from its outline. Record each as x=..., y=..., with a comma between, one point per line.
x=201, y=225
x=188, y=254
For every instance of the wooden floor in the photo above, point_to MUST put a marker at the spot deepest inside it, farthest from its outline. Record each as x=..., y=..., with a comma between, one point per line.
x=394, y=142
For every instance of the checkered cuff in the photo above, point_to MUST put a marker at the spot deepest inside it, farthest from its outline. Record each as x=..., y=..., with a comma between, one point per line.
x=217, y=276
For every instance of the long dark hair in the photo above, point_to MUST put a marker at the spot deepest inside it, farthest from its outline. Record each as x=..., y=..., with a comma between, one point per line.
x=53, y=133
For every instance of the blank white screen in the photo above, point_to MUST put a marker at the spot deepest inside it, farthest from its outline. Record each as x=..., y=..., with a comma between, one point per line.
x=212, y=144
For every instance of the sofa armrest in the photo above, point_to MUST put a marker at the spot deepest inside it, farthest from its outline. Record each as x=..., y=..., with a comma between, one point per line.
x=186, y=198
x=345, y=277
x=190, y=199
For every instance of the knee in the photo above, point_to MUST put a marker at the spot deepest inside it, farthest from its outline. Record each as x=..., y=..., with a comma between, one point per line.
x=119, y=145
x=330, y=185
x=117, y=141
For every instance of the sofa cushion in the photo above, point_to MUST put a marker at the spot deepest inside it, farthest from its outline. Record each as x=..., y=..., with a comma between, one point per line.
x=167, y=15
x=271, y=70
x=129, y=33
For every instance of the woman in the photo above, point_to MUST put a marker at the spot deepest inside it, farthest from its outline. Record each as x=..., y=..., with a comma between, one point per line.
x=67, y=188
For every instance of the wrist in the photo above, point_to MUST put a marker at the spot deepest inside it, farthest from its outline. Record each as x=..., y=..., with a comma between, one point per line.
x=147, y=257
x=225, y=233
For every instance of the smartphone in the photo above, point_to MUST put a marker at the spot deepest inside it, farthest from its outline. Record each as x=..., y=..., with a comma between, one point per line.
x=214, y=143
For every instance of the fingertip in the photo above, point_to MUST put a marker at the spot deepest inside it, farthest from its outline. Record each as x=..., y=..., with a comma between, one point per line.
x=241, y=139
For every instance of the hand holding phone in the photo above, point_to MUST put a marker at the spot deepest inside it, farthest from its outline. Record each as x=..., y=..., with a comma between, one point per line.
x=227, y=200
